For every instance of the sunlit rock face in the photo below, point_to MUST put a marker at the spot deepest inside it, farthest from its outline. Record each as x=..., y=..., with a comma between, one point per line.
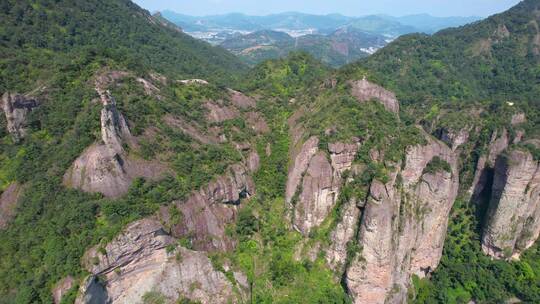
x=144, y=258
x=403, y=226
x=513, y=218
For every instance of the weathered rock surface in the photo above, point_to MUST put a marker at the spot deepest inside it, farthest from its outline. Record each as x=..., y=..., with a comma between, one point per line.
x=138, y=261
x=257, y=122
x=8, y=203
x=61, y=288
x=318, y=196
x=106, y=167
x=364, y=91
x=454, y=138
x=192, y=129
x=207, y=212
x=301, y=157
x=16, y=108
x=403, y=226
x=345, y=231
x=220, y=113
x=316, y=178
x=92, y=291
x=240, y=100
x=513, y=218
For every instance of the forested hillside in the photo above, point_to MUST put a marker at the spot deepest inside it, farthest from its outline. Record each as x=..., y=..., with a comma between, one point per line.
x=139, y=165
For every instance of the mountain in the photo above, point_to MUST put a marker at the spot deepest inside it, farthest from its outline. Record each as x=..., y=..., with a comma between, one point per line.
x=299, y=23
x=336, y=49
x=139, y=165
x=93, y=31
x=237, y=21
x=430, y=24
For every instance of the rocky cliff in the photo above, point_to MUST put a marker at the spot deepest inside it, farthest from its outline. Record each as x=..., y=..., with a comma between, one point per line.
x=513, y=218
x=403, y=224
x=203, y=217
x=314, y=181
x=16, y=108
x=144, y=259
x=106, y=167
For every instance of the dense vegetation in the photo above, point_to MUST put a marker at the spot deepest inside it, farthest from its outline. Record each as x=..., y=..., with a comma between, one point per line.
x=482, y=65
x=56, y=48
x=43, y=38
x=336, y=49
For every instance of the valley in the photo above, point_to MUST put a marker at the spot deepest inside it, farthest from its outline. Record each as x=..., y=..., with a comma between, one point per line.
x=141, y=165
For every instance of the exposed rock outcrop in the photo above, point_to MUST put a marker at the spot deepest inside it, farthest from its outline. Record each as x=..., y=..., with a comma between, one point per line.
x=484, y=167
x=513, y=218
x=16, y=108
x=240, y=100
x=316, y=178
x=403, y=225
x=206, y=213
x=191, y=128
x=8, y=203
x=318, y=195
x=106, y=167
x=61, y=288
x=364, y=91
x=345, y=231
x=454, y=138
x=220, y=113
x=257, y=122
x=143, y=259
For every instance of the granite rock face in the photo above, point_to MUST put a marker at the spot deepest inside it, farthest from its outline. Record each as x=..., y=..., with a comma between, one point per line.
x=345, y=231
x=365, y=91
x=143, y=259
x=513, y=217
x=16, y=108
x=106, y=167
x=314, y=181
x=403, y=226
x=204, y=216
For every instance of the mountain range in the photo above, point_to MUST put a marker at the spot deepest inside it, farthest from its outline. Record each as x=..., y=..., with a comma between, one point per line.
x=141, y=165
x=334, y=39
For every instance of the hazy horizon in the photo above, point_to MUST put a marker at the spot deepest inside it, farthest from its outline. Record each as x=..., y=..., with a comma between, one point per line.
x=352, y=8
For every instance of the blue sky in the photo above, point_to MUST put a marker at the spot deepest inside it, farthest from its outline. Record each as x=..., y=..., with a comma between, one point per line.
x=346, y=7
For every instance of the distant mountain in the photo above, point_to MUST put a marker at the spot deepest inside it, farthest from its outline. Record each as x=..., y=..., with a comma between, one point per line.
x=430, y=24
x=343, y=46
x=382, y=26
x=377, y=24
x=241, y=22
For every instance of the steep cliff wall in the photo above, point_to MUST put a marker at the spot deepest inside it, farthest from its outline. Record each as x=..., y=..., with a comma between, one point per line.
x=144, y=259
x=403, y=224
x=315, y=180
x=204, y=216
x=513, y=218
